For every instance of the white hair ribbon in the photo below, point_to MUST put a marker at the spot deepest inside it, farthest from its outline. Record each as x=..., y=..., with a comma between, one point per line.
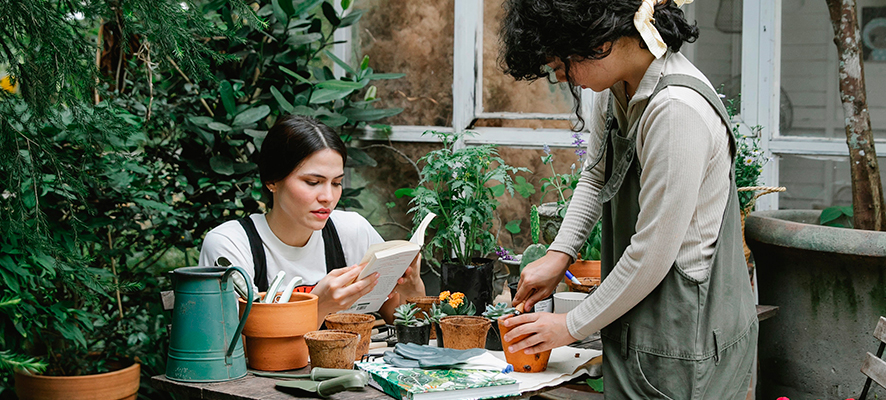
x=644, y=22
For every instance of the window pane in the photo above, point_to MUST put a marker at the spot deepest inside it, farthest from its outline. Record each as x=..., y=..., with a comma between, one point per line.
x=817, y=182
x=717, y=52
x=501, y=93
x=809, y=70
x=415, y=38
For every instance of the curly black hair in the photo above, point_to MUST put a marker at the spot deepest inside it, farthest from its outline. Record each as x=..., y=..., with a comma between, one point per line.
x=536, y=31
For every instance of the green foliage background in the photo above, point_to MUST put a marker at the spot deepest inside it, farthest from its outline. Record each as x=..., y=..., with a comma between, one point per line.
x=109, y=177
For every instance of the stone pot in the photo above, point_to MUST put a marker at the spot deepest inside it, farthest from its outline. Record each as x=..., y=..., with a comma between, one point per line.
x=275, y=332
x=549, y=221
x=332, y=348
x=474, y=280
x=424, y=303
x=117, y=385
x=419, y=335
x=521, y=361
x=464, y=332
x=830, y=287
x=360, y=324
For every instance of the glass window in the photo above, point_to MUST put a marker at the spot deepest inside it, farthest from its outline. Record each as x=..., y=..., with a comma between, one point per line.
x=415, y=38
x=717, y=52
x=815, y=182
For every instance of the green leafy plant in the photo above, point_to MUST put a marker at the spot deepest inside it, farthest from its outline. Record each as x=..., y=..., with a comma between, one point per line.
x=837, y=216
x=457, y=184
x=535, y=250
x=494, y=312
x=590, y=249
x=749, y=160
x=405, y=314
x=436, y=313
x=455, y=304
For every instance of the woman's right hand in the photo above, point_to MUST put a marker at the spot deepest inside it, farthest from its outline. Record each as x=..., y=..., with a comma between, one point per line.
x=540, y=278
x=336, y=291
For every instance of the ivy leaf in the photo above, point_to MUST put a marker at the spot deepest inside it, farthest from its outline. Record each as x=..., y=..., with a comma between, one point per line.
x=226, y=92
x=222, y=165
x=371, y=114
x=513, y=226
x=252, y=115
x=284, y=105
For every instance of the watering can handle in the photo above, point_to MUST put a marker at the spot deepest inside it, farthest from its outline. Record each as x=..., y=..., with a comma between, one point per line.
x=236, y=337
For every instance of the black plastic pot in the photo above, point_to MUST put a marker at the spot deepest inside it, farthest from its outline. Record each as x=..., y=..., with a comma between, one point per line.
x=493, y=338
x=546, y=305
x=419, y=335
x=475, y=280
x=439, y=335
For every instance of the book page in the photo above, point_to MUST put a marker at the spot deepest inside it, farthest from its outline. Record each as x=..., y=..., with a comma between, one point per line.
x=390, y=264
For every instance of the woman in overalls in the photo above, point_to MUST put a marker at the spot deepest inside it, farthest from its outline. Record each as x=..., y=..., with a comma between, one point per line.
x=301, y=166
x=675, y=307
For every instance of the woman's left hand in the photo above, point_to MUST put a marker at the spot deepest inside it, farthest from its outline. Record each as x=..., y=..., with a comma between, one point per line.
x=546, y=331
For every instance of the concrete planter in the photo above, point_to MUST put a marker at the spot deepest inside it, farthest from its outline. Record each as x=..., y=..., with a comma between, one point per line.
x=830, y=285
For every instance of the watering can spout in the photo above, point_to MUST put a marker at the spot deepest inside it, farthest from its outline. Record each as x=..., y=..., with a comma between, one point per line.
x=205, y=344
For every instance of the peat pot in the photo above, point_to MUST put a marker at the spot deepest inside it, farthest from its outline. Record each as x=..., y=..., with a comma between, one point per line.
x=116, y=385
x=275, y=332
x=830, y=287
x=360, y=324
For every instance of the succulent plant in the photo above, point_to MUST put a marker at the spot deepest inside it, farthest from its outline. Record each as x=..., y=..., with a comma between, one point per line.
x=494, y=312
x=436, y=313
x=405, y=314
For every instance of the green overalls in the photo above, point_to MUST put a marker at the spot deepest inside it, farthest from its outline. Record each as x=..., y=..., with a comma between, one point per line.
x=689, y=338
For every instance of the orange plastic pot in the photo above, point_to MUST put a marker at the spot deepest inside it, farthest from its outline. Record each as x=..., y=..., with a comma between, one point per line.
x=275, y=332
x=464, y=332
x=116, y=385
x=521, y=361
x=585, y=268
x=360, y=324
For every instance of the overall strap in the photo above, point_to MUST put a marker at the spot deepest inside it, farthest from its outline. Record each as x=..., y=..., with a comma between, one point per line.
x=335, y=256
x=259, y=262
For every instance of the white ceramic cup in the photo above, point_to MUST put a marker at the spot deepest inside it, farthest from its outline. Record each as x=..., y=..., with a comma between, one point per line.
x=566, y=301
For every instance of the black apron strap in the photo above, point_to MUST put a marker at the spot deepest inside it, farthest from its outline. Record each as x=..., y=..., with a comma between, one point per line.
x=335, y=256
x=259, y=262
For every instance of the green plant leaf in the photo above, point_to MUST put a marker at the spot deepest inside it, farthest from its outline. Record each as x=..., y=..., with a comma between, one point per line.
x=306, y=6
x=596, y=384
x=830, y=214
x=513, y=226
x=252, y=115
x=295, y=75
x=409, y=192
x=341, y=85
x=278, y=12
x=332, y=119
x=321, y=96
x=222, y=165
x=299, y=39
x=351, y=18
x=218, y=127
x=207, y=137
x=359, y=158
x=498, y=190
x=524, y=188
x=345, y=4
x=330, y=14
x=286, y=6
x=284, y=105
x=377, y=77
x=226, y=92
x=341, y=63
x=372, y=114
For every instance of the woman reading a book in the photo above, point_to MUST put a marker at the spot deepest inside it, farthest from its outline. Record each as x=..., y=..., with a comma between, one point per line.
x=301, y=166
x=675, y=307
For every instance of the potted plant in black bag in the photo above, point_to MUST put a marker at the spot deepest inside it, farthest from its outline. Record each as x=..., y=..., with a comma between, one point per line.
x=411, y=329
x=461, y=185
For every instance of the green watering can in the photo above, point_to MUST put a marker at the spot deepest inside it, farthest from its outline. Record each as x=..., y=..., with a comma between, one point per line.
x=205, y=344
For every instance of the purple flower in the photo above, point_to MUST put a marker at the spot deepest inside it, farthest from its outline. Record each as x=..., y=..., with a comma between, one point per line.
x=503, y=254
x=547, y=149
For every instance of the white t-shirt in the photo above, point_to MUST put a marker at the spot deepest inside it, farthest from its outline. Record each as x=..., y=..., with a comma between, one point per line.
x=229, y=240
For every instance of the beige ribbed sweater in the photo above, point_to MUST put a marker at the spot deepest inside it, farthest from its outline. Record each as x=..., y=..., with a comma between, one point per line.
x=683, y=150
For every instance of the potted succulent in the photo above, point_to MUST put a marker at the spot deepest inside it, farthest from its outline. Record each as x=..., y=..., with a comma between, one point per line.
x=411, y=329
x=493, y=313
x=461, y=185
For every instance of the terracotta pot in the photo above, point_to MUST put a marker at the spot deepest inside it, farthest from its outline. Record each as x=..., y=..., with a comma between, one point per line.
x=521, y=361
x=116, y=385
x=424, y=303
x=332, y=348
x=585, y=268
x=360, y=324
x=588, y=285
x=464, y=332
x=275, y=332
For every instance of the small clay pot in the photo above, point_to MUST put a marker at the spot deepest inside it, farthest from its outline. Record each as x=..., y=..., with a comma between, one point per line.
x=493, y=338
x=588, y=284
x=332, y=348
x=360, y=324
x=585, y=268
x=419, y=335
x=464, y=332
x=424, y=303
x=521, y=361
x=121, y=384
x=275, y=332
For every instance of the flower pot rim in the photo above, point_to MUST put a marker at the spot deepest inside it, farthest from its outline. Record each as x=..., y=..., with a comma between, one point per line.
x=318, y=335
x=799, y=229
x=122, y=371
x=364, y=317
x=450, y=318
x=434, y=299
x=297, y=299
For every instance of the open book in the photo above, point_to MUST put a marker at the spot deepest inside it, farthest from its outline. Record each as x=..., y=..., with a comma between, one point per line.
x=390, y=259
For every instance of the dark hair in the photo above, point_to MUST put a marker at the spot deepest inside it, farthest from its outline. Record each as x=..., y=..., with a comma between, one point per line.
x=535, y=31
x=289, y=142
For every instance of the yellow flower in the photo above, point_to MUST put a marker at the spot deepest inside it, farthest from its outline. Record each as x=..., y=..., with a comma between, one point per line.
x=7, y=85
x=458, y=295
x=455, y=302
x=444, y=295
